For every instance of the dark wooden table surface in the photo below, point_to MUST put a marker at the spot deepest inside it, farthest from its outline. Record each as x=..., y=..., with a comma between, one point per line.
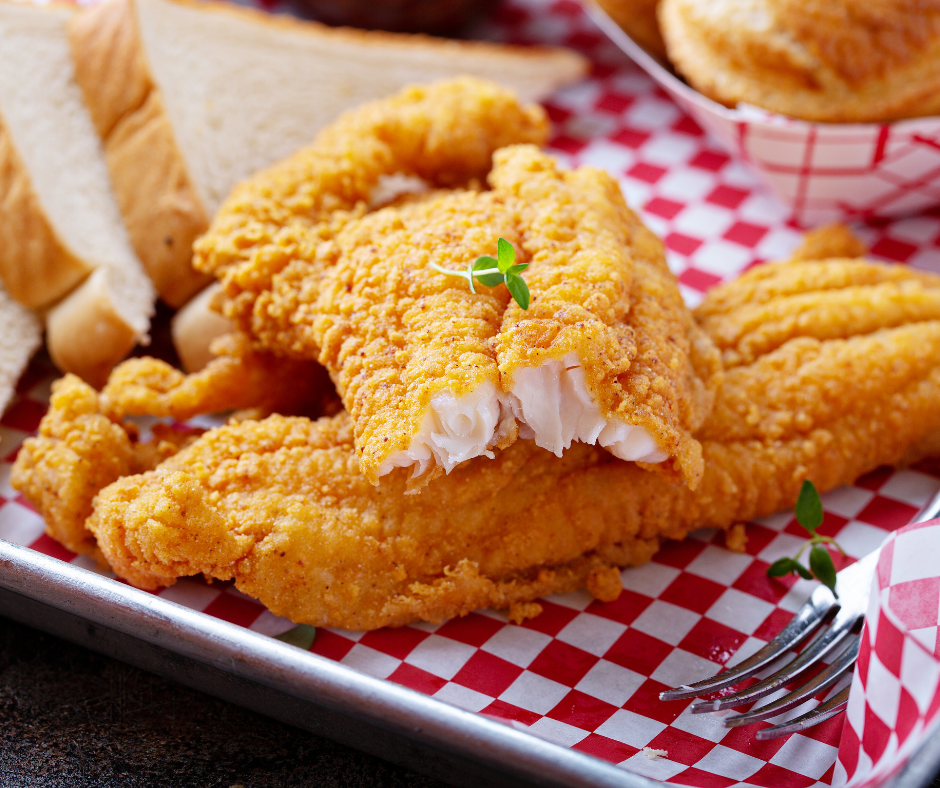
x=70, y=718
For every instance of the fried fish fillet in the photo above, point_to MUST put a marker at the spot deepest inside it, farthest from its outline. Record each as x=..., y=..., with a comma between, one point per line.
x=239, y=377
x=79, y=451
x=270, y=229
x=280, y=507
x=431, y=373
x=607, y=351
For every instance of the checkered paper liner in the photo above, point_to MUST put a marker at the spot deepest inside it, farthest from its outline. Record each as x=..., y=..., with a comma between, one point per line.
x=584, y=674
x=895, y=695
x=827, y=172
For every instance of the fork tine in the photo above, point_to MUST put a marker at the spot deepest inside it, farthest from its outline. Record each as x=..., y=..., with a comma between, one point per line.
x=842, y=626
x=801, y=626
x=835, y=705
x=821, y=681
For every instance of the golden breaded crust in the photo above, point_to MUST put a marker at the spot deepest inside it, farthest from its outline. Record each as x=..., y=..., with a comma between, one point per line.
x=829, y=242
x=444, y=133
x=776, y=302
x=238, y=378
x=393, y=331
x=77, y=452
x=638, y=19
x=307, y=273
x=601, y=288
x=835, y=61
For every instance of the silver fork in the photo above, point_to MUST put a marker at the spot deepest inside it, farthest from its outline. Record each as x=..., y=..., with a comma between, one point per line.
x=844, y=615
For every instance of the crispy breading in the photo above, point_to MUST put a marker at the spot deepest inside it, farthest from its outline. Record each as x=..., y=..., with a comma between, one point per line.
x=239, y=377
x=829, y=242
x=77, y=452
x=601, y=289
x=280, y=507
x=394, y=332
x=309, y=273
x=444, y=133
x=774, y=303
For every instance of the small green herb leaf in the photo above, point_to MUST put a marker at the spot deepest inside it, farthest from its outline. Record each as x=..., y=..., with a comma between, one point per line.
x=820, y=561
x=505, y=254
x=301, y=636
x=518, y=289
x=781, y=567
x=492, y=272
x=809, y=514
x=788, y=566
x=802, y=571
x=809, y=510
x=490, y=280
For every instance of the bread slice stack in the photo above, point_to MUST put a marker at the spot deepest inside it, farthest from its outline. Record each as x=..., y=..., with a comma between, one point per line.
x=190, y=98
x=63, y=246
x=22, y=334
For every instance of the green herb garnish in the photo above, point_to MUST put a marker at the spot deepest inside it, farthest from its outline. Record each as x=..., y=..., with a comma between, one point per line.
x=809, y=514
x=490, y=272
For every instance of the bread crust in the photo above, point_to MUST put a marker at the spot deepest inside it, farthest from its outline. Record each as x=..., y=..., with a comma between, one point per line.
x=569, y=65
x=160, y=204
x=835, y=61
x=195, y=327
x=86, y=335
x=36, y=267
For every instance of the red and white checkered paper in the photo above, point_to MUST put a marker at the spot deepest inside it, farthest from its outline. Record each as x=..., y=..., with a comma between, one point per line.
x=827, y=172
x=895, y=695
x=584, y=674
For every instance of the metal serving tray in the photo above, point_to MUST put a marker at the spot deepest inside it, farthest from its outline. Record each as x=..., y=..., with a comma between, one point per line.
x=310, y=692
x=285, y=682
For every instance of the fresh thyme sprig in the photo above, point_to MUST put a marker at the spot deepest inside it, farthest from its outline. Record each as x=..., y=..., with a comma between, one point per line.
x=490, y=272
x=809, y=514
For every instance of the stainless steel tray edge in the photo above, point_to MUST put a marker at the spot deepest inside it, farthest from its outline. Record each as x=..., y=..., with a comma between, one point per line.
x=264, y=661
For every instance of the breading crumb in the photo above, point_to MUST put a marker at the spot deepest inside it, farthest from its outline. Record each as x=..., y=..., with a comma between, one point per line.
x=521, y=611
x=736, y=538
x=604, y=583
x=652, y=754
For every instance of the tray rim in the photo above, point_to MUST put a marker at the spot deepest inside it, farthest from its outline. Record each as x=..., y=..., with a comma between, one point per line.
x=431, y=724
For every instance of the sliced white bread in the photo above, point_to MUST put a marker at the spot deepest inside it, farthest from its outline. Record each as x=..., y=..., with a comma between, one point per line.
x=100, y=322
x=59, y=221
x=58, y=217
x=194, y=328
x=191, y=98
x=22, y=334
